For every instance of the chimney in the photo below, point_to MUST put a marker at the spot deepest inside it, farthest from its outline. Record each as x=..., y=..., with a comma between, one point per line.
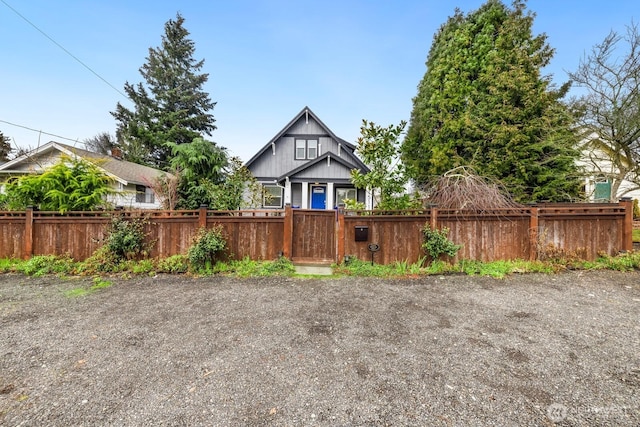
x=116, y=153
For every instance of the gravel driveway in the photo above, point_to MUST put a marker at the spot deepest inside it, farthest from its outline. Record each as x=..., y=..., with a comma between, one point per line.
x=538, y=350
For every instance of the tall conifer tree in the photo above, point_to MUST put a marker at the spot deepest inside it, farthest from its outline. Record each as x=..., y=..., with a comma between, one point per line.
x=171, y=107
x=483, y=102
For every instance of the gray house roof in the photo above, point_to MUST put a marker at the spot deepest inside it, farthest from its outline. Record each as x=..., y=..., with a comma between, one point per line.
x=357, y=163
x=323, y=158
x=121, y=170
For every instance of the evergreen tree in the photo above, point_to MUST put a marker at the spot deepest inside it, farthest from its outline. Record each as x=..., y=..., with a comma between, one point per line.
x=484, y=103
x=5, y=148
x=171, y=107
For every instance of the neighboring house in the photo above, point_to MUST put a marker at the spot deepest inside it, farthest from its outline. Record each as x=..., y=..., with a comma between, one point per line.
x=131, y=181
x=604, y=181
x=307, y=166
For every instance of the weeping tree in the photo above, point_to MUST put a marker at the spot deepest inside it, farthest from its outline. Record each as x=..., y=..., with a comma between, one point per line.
x=201, y=165
x=609, y=111
x=483, y=102
x=204, y=174
x=171, y=106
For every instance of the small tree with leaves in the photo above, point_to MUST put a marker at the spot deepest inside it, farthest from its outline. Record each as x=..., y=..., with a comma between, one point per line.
x=379, y=148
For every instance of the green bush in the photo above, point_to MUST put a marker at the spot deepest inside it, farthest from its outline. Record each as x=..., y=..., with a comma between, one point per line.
x=436, y=242
x=46, y=264
x=173, y=264
x=207, y=244
x=126, y=238
x=101, y=261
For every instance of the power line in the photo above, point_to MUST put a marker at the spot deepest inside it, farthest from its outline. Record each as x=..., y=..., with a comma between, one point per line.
x=65, y=50
x=39, y=131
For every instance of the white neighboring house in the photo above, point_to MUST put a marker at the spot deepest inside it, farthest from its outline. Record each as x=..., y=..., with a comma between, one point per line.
x=604, y=181
x=130, y=180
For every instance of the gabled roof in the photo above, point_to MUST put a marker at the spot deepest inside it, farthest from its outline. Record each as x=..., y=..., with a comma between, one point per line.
x=121, y=170
x=305, y=110
x=317, y=160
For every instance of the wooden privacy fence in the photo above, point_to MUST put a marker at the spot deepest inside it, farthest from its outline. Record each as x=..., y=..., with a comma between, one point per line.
x=320, y=236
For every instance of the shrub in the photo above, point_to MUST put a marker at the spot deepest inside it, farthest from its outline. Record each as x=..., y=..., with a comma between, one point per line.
x=207, y=244
x=173, y=264
x=46, y=264
x=126, y=238
x=437, y=243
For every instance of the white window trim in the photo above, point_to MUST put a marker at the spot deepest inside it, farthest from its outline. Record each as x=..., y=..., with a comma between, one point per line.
x=269, y=203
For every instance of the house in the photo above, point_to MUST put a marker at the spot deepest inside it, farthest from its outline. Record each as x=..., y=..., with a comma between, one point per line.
x=609, y=175
x=308, y=166
x=131, y=181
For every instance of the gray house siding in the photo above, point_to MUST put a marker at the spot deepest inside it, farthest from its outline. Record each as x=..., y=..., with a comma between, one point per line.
x=327, y=163
x=325, y=170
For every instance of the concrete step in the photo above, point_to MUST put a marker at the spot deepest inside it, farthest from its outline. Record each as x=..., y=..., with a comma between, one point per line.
x=314, y=269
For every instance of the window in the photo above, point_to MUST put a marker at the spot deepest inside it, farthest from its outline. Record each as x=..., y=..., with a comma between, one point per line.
x=272, y=196
x=345, y=193
x=144, y=194
x=306, y=149
x=312, y=149
x=300, y=149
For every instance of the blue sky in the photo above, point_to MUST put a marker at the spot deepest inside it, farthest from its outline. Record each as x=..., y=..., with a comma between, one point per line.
x=347, y=60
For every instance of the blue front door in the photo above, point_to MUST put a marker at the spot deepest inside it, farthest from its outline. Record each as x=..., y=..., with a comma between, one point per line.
x=318, y=197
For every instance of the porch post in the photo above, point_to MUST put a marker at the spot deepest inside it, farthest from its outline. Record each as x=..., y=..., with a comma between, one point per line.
x=305, y=195
x=287, y=191
x=329, y=195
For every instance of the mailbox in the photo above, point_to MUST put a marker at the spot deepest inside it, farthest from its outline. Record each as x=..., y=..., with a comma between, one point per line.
x=362, y=233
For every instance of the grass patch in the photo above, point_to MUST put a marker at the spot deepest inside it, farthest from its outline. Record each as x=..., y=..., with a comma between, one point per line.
x=179, y=264
x=98, y=283
x=636, y=234
x=250, y=268
x=8, y=265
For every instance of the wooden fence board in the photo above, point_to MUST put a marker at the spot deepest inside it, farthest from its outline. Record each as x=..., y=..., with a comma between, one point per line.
x=327, y=236
x=12, y=236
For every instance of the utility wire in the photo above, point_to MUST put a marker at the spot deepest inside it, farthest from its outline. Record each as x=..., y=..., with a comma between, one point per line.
x=39, y=131
x=65, y=50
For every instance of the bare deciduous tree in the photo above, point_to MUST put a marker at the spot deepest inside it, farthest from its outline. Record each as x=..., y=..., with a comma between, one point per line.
x=610, y=110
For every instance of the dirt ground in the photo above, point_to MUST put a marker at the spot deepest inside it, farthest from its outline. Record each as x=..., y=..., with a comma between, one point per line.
x=537, y=350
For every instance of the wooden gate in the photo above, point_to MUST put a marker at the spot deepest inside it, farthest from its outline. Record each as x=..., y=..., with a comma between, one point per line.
x=313, y=236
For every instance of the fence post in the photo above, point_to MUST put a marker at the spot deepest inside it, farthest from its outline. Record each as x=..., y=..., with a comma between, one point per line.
x=28, y=233
x=433, y=217
x=533, y=234
x=288, y=231
x=340, y=236
x=627, y=234
x=202, y=216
